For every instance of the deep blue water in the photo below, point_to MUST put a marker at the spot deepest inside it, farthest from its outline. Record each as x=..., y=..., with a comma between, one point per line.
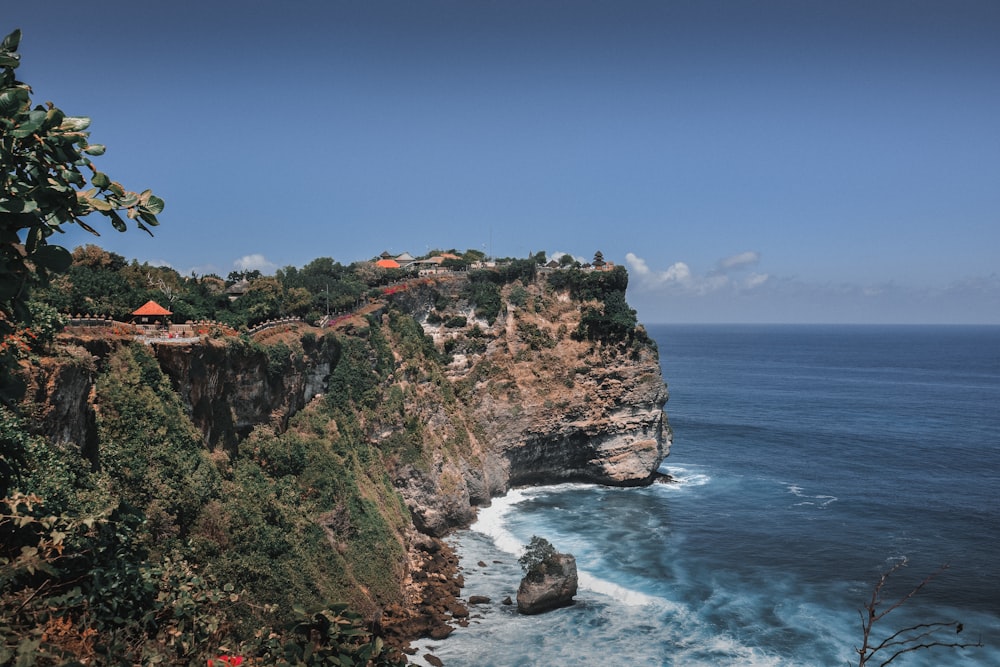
x=808, y=459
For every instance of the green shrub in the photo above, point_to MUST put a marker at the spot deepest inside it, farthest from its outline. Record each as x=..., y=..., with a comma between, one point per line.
x=534, y=336
x=279, y=360
x=484, y=293
x=518, y=296
x=539, y=559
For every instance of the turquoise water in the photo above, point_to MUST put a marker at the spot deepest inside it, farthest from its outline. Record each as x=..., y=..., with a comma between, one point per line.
x=808, y=459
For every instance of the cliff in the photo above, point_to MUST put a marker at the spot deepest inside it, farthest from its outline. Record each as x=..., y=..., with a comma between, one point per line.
x=228, y=386
x=325, y=454
x=533, y=405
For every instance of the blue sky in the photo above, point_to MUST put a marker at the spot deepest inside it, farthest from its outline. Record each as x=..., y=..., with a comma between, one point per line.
x=768, y=161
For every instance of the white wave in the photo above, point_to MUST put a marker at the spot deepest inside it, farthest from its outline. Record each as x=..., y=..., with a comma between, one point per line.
x=819, y=500
x=720, y=645
x=682, y=479
x=620, y=593
x=491, y=521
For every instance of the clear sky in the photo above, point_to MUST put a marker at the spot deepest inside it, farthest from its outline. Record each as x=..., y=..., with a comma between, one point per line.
x=748, y=161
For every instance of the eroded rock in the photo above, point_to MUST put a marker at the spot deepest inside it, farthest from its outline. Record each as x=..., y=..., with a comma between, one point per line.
x=554, y=589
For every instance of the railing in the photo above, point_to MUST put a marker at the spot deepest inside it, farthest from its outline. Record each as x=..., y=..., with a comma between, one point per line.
x=269, y=324
x=189, y=330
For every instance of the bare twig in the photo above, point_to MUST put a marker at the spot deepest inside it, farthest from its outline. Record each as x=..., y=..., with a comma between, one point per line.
x=911, y=638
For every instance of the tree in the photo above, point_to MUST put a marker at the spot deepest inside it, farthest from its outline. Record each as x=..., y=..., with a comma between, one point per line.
x=539, y=558
x=909, y=639
x=45, y=159
x=248, y=274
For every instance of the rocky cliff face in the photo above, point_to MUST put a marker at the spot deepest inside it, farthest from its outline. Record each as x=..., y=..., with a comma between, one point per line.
x=59, y=400
x=533, y=405
x=227, y=387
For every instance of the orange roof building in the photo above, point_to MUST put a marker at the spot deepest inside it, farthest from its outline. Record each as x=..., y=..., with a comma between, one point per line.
x=150, y=311
x=387, y=264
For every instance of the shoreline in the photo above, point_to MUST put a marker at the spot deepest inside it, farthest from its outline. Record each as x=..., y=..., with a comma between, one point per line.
x=433, y=605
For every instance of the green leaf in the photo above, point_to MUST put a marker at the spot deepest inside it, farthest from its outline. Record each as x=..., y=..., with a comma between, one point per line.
x=116, y=221
x=11, y=60
x=34, y=239
x=99, y=204
x=17, y=206
x=72, y=176
x=154, y=205
x=52, y=257
x=11, y=41
x=27, y=652
x=100, y=180
x=54, y=117
x=95, y=149
x=28, y=127
x=11, y=99
x=75, y=124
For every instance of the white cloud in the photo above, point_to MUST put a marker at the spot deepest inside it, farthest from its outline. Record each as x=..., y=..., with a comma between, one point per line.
x=254, y=262
x=679, y=278
x=678, y=273
x=637, y=264
x=742, y=260
x=755, y=280
x=680, y=294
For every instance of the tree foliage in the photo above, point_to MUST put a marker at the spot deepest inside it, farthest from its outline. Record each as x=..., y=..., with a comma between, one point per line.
x=611, y=319
x=539, y=559
x=48, y=180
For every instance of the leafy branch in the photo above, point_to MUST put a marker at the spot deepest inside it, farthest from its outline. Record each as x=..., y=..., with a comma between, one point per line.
x=47, y=180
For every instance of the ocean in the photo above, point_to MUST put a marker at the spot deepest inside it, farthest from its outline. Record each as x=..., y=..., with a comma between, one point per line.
x=807, y=460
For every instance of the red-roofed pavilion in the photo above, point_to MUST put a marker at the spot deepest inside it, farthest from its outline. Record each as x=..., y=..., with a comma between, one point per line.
x=149, y=312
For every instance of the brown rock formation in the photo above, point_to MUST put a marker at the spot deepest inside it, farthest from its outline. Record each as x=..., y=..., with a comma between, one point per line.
x=552, y=590
x=533, y=406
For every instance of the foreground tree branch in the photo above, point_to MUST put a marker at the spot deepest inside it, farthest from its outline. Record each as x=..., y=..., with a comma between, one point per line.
x=911, y=638
x=48, y=181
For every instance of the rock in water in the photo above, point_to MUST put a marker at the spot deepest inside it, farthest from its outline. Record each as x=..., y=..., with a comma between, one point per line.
x=554, y=589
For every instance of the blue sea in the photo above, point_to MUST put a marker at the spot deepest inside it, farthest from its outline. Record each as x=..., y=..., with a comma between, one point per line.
x=807, y=460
